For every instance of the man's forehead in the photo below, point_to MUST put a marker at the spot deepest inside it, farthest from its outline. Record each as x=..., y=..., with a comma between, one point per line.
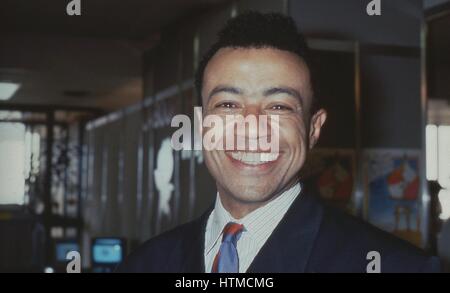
x=263, y=54
x=255, y=70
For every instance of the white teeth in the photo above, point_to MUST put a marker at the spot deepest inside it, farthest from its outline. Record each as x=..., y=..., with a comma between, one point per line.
x=253, y=158
x=268, y=157
x=237, y=155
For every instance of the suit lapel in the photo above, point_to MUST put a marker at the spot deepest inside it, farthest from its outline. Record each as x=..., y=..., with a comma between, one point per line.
x=289, y=247
x=194, y=245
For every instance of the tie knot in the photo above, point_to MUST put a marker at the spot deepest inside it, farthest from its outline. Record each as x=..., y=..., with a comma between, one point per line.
x=231, y=232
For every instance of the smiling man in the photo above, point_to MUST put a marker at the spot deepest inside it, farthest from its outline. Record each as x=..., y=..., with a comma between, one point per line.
x=264, y=219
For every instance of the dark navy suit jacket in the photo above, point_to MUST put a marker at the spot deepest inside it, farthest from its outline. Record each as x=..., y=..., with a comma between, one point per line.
x=311, y=237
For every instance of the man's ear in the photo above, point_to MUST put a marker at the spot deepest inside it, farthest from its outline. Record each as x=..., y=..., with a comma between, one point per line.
x=315, y=125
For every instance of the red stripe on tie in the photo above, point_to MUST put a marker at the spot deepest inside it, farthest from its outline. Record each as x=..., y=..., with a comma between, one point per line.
x=232, y=229
x=215, y=266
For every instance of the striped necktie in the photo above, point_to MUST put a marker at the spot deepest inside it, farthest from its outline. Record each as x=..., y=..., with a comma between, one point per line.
x=227, y=260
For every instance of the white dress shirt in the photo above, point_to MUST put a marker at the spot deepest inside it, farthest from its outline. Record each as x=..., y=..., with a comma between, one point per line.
x=258, y=226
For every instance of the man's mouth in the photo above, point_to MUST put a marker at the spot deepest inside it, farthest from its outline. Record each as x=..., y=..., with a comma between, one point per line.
x=254, y=158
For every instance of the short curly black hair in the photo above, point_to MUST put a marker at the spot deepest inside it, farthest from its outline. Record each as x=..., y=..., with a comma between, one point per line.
x=256, y=30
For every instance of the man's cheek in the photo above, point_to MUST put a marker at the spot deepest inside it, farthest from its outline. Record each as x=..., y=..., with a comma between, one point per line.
x=292, y=135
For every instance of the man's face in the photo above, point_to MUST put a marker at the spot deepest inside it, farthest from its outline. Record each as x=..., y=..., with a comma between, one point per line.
x=256, y=82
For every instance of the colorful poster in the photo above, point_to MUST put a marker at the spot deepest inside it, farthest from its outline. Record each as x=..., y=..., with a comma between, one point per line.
x=331, y=173
x=393, y=191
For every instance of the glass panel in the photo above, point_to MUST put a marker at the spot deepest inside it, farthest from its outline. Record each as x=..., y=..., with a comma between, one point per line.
x=12, y=163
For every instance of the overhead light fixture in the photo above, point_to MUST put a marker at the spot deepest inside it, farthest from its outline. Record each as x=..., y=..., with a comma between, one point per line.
x=7, y=90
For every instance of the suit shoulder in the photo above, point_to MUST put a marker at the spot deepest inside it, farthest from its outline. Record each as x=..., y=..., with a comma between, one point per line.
x=351, y=239
x=154, y=254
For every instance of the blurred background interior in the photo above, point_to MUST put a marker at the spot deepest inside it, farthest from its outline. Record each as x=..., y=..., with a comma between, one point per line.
x=86, y=104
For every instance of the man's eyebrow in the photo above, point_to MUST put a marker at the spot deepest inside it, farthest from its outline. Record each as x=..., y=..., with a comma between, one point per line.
x=283, y=90
x=225, y=89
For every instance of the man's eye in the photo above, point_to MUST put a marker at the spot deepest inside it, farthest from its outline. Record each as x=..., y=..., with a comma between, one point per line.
x=227, y=105
x=280, y=108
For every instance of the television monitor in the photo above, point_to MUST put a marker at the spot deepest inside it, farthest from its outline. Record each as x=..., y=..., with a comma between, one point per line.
x=107, y=251
x=62, y=248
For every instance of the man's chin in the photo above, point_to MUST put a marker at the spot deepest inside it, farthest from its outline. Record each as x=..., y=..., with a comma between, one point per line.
x=249, y=194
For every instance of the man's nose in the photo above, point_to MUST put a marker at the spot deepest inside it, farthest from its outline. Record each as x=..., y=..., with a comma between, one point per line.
x=255, y=111
x=262, y=125
x=252, y=110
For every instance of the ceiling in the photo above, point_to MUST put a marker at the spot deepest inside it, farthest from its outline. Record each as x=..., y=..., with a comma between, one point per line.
x=96, y=59
x=90, y=60
x=130, y=19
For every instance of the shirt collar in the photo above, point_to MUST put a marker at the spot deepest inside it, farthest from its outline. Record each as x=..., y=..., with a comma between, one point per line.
x=255, y=221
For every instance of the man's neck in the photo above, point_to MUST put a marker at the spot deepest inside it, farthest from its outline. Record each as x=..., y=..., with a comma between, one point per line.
x=238, y=209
